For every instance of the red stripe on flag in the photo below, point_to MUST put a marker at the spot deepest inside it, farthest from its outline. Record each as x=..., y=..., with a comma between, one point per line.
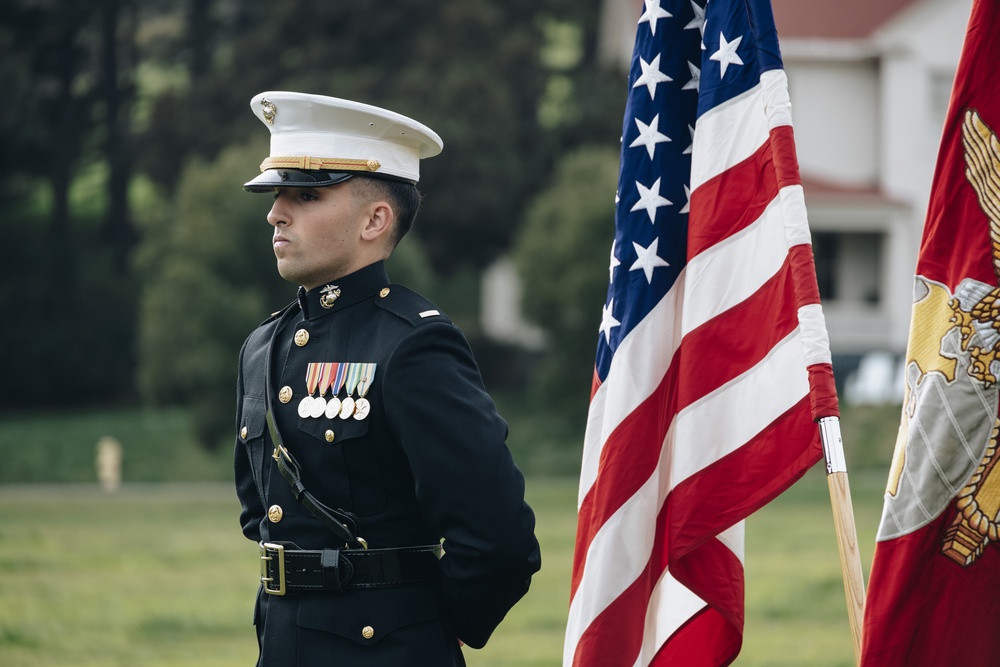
x=731, y=201
x=823, y=391
x=804, y=272
x=786, y=164
x=706, y=640
x=735, y=341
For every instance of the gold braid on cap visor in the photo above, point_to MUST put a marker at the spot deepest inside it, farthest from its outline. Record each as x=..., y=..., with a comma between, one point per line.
x=319, y=164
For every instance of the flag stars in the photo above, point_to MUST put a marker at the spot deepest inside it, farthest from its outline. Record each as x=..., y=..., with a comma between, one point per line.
x=695, y=81
x=649, y=135
x=608, y=322
x=726, y=55
x=650, y=199
x=687, y=204
x=653, y=14
x=699, y=18
x=647, y=259
x=651, y=75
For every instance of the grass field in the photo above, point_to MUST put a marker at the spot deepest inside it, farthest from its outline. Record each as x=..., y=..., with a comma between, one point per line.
x=159, y=575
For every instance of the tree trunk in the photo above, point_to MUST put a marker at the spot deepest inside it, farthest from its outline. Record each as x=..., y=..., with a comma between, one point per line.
x=117, y=57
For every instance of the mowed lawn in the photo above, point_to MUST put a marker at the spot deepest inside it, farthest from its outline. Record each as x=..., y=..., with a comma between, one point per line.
x=159, y=575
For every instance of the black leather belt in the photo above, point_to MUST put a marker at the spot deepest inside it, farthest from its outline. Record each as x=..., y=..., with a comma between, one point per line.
x=284, y=569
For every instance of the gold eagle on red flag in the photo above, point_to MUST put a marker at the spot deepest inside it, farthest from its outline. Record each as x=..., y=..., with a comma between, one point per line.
x=979, y=501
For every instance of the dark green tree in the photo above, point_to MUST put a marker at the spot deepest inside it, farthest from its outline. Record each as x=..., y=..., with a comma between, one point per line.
x=470, y=69
x=201, y=262
x=563, y=253
x=117, y=90
x=67, y=338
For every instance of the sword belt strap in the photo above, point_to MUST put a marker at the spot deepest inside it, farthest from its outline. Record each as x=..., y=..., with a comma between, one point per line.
x=342, y=523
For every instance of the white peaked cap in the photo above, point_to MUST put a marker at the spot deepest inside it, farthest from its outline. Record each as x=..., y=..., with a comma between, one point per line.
x=320, y=133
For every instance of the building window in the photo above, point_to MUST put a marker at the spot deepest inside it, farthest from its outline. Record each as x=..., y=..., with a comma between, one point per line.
x=849, y=266
x=824, y=251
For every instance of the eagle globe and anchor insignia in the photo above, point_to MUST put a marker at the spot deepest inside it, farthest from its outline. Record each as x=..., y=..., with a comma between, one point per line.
x=953, y=359
x=269, y=110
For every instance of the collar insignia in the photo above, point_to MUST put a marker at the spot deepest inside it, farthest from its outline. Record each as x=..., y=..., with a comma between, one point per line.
x=328, y=296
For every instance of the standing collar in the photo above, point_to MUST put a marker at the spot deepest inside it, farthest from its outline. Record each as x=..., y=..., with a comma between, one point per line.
x=339, y=294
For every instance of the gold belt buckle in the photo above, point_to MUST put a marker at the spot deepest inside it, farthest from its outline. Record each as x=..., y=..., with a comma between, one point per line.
x=265, y=549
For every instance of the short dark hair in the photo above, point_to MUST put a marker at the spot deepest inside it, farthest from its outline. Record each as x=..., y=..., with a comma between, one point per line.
x=403, y=197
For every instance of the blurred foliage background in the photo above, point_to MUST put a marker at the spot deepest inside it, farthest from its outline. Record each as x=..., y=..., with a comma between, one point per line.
x=134, y=265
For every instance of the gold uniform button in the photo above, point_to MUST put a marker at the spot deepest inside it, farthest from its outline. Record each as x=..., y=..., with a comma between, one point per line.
x=368, y=632
x=274, y=513
x=301, y=337
x=243, y=432
x=384, y=293
x=285, y=394
x=329, y=435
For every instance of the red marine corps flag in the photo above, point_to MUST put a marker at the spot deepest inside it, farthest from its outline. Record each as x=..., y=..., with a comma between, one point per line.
x=934, y=591
x=712, y=360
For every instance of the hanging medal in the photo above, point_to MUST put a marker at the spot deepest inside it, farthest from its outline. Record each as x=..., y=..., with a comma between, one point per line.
x=318, y=406
x=338, y=371
x=353, y=376
x=362, y=407
x=312, y=378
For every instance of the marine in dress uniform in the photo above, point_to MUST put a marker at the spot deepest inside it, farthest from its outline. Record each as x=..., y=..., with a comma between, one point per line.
x=370, y=462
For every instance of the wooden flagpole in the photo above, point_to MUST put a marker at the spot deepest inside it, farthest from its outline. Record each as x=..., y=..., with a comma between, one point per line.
x=843, y=522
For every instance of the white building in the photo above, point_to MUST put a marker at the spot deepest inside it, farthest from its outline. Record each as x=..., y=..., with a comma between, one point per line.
x=869, y=82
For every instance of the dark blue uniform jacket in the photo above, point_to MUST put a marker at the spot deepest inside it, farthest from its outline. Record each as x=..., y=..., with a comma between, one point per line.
x=430, y=461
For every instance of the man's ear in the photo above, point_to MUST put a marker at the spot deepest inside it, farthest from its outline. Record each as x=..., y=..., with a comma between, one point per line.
x=379, y=221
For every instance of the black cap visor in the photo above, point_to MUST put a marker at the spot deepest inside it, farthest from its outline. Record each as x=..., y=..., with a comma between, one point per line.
x=295, y=178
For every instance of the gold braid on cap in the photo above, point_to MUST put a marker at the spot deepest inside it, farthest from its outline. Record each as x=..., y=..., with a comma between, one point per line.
x=319, y=164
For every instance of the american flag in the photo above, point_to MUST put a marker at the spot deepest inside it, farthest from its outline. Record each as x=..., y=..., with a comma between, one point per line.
x=712, y=360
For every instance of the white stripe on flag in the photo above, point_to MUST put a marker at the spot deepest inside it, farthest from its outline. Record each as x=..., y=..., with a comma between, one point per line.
x=815, y=339
x=793, y=204
x=727, y=135
x=731, y=416
x=735, y=269
x=776, y=102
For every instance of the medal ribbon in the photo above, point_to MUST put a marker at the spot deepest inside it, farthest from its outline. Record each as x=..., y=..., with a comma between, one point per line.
x=353, y=375
x=367, y=377
x=339, y=371
x=325, y=375
x=312, y=376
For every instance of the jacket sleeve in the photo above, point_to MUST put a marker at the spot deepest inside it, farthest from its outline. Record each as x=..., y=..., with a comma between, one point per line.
x=467, y=485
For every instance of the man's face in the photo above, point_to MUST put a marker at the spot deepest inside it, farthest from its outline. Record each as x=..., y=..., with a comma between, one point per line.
x=317, y=233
